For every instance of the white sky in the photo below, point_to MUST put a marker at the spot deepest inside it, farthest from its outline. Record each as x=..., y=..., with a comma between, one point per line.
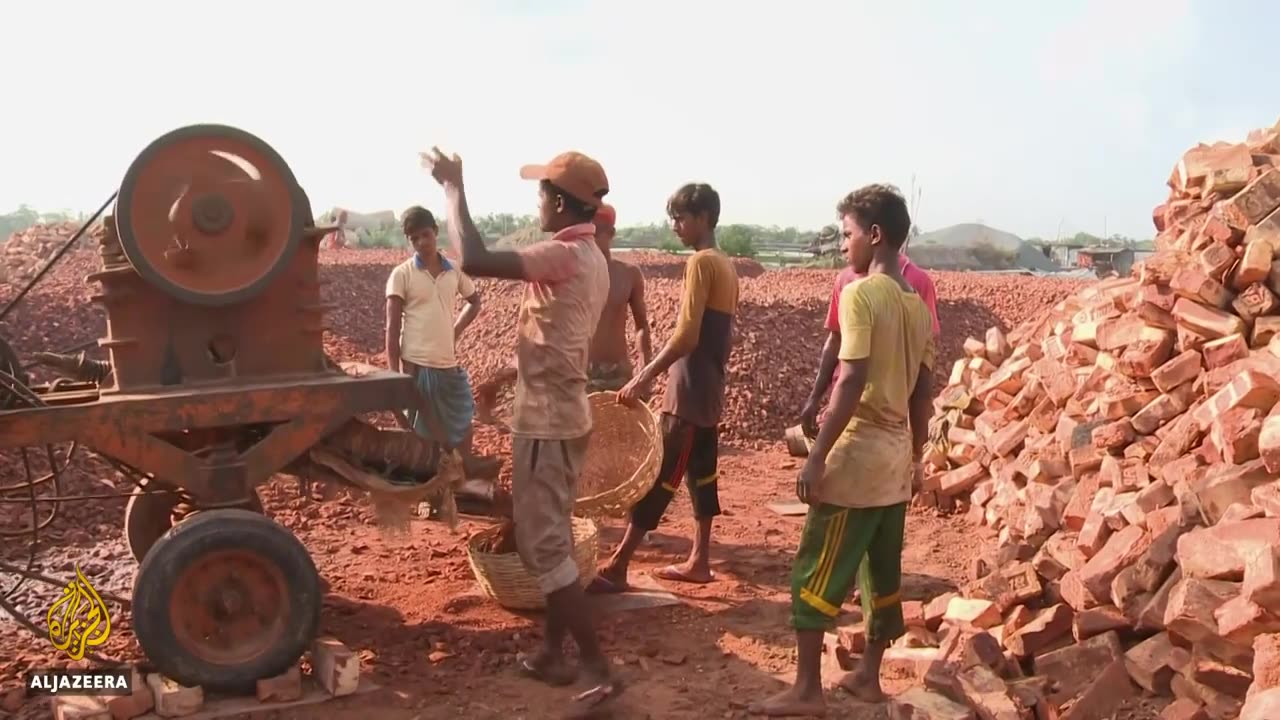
x=1031, y=117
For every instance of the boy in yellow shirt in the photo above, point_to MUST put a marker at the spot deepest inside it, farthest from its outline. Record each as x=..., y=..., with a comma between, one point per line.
x=857, y=480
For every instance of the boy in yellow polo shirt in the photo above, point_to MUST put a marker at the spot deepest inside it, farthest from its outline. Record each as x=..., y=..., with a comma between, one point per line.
x=857, y=480
x=422, y=333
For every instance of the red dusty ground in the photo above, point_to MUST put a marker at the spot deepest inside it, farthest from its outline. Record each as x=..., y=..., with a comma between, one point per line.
x=409, y=603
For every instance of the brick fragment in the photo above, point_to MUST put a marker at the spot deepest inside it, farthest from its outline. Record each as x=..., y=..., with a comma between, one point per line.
x=1191, y=604
x=1219, y=706
x=1269, y=443
x=1241, y=620
x=1236, y=433
x=172, y=699
x=335, y=667
x=1218, y=675
x=141, y=702
x=1255, y=264
x=1191, y=282
x=978, y=613
x=1249, y=389
x=1219, y=552
x=1216, y=259
x=936, y=609
x=73, y=707
x=1049, y=626
x=1105, y=694
x=1121, y=550
x=1151, y=351
x=1114, y=436
x=1184, y=709
x=1264, y=329
x=1097, y=621
x=1252, y=304
x=1266, y=661
x=1225, y=350
x=982, y=689
x=1152, y=617
x=962, y=479
x=997, y=345
x=1206, y=321
x=1075, y=666
x=975, y=348
x=1149, y=663
x=1222, y=486
x=1254, y=203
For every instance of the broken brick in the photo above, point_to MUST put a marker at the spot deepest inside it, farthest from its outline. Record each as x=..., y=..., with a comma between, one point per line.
x=1206, y=321
x=335, y=667
x=1148, y=663
x=1047, y=627
x=1191, y=605
x=1121, y=550
x=1224, y=351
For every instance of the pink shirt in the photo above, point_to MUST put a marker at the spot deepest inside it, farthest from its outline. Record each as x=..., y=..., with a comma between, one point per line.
x=915, y=277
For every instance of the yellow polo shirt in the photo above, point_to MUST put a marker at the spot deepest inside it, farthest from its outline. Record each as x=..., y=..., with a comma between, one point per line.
x=426, y=333
x=870, y=463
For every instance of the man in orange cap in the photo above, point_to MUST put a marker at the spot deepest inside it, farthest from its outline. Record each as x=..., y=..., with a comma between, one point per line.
x=567, y=284
x=610, y=363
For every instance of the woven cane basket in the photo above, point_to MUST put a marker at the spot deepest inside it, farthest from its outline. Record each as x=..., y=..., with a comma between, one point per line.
x=622, y=459
x=504, y=578
x=622, y=464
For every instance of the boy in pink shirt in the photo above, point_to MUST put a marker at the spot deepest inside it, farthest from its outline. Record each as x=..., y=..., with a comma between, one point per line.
x=827, y=370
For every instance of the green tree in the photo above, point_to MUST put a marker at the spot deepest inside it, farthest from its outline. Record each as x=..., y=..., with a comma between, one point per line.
x=736, y=241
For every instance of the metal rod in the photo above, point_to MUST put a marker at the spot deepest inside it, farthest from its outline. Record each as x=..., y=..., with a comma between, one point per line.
x=56, y=257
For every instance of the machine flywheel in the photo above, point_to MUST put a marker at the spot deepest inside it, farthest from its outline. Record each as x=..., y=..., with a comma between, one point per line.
x=210, y=214
x=224, y=599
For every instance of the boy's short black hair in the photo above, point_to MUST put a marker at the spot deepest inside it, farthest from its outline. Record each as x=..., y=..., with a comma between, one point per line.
x=695, y=199
x=882, y=205
x=416, y=219
x=578, y=209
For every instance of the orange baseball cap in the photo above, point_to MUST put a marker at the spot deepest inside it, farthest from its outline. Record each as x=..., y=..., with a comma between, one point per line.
x=574, y=173
x=606, y=216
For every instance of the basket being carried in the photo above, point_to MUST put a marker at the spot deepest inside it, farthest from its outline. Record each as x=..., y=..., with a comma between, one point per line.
x=622, y=464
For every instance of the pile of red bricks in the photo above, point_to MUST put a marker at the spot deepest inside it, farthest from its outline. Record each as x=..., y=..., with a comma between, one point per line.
x=1125, y=445
x=25, y=252
x=334, y=667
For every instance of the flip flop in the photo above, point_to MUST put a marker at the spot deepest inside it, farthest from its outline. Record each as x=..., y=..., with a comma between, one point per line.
x=601, y=585
x=596, y=702
x=671, y=572
x=529, y=668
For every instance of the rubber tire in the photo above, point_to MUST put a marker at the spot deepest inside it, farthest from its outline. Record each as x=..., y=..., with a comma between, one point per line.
x=211, y=531
x=147, y=518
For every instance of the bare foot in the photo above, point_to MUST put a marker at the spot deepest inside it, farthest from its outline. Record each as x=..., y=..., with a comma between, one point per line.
x=864, y=688
x=791, y=703
x=686, y=572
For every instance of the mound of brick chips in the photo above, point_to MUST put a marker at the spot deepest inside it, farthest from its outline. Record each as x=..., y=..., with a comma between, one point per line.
x=1125, y=444
x=25, y=252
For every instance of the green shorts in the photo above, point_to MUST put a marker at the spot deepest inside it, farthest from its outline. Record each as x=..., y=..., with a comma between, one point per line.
x=842, y=545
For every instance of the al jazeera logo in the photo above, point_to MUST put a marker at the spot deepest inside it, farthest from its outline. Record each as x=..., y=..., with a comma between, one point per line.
x=78, y=622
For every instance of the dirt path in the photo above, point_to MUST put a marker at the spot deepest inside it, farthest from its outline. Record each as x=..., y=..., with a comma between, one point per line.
x=409, y=605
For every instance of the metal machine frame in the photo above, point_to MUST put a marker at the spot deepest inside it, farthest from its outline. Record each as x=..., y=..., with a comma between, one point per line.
x=211, y=247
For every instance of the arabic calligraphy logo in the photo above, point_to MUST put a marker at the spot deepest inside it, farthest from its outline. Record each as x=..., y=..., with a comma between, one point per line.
x=78, y=620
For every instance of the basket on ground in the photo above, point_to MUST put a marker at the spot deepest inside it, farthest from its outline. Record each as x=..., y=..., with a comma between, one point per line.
x=504, y=578
x=622, y=464
x=622, y=460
